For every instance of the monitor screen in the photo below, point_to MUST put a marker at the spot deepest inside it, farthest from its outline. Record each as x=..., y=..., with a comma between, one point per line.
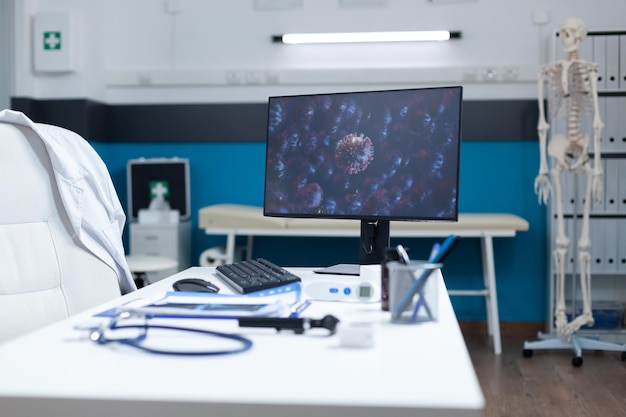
x=373, y=155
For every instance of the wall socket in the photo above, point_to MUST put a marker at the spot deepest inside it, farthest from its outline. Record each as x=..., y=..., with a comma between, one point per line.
x=510, y=74
x=490, y=74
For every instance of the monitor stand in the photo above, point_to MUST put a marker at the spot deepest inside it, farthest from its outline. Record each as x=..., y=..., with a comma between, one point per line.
x=340, y=269
x=373, y=242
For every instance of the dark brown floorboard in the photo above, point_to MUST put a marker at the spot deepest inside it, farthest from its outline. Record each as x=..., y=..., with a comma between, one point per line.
x=547, y=384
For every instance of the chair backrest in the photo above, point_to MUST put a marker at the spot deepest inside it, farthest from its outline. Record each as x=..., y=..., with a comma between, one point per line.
x=46, y=274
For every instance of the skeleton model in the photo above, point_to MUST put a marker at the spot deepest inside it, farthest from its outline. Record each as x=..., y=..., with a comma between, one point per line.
x=572, y=94
x=572, y=89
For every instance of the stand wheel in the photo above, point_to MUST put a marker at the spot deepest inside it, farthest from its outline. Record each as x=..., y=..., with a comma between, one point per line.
x=577, y=361
x=624, y=356
x=528, y=353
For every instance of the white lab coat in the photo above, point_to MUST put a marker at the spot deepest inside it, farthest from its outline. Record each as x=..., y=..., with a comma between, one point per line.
x=87, y=192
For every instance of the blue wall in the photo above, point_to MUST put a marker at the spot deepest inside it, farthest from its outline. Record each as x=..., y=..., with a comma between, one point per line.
x=496, y=176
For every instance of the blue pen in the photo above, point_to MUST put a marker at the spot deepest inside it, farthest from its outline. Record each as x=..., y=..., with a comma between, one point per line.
x=445, y=248
x=295, y=312
x=443, y=251
x=434, y=252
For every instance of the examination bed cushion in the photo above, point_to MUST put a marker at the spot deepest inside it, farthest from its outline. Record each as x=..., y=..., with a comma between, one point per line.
x=236, y=216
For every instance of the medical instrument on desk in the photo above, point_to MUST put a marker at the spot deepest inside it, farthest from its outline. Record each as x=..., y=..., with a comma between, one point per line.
x=296, y=310
x=391, y=254
x=132, y=329
x=446, y=247
x=298, y=325
x=195, y=285
x=340, y=291
x=403, y=255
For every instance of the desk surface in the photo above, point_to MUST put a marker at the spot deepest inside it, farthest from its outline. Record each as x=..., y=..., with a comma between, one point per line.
x=412, y=370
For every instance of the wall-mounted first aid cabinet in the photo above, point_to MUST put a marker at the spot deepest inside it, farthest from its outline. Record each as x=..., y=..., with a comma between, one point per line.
x=54, y=42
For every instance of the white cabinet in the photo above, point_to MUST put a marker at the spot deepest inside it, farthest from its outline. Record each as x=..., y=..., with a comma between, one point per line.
x=169, y=240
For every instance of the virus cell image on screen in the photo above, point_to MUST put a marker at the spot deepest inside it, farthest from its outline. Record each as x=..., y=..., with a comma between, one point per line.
x=354, y=153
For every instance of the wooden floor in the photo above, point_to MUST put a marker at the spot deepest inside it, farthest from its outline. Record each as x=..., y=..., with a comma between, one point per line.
x=547, y=384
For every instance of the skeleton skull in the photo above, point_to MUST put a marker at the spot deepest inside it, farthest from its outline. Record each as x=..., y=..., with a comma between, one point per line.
x=572, y=32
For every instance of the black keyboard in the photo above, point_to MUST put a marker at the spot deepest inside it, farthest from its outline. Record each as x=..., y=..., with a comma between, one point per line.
x=254, y=275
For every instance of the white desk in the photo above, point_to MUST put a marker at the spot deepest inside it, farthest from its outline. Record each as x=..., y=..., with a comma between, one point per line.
x=235, y=220
x=412, y=370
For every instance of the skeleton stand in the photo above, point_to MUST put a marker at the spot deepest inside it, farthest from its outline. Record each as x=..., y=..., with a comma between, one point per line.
x=575, y=342
x=573, y=88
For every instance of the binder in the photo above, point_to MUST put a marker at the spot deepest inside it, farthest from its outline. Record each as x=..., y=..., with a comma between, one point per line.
x=568, y=193
x=621, y=186
x=596, y=234
x=621, y=134
x=599, y=57
x=581, y=187
x=621, y=247
x=611, y=189
x=612, y=62
x=622, y=63
x=611, y=119
x=609, y=230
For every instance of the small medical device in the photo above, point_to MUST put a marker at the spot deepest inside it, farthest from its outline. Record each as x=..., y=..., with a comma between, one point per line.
x=338, y=291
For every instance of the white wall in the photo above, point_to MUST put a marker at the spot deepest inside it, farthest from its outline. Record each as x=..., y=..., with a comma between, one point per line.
x=134, y=51
x=6, y=52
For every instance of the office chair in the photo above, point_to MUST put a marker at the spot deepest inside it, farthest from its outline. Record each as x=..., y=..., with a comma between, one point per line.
x=51, y=263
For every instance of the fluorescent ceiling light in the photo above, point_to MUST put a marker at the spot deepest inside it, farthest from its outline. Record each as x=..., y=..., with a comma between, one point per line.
x=415, y=36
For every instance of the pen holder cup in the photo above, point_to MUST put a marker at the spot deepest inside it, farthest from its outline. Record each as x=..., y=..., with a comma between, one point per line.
x=413, y=292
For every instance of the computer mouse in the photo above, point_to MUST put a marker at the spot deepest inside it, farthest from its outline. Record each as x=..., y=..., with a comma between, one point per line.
x=195, y=285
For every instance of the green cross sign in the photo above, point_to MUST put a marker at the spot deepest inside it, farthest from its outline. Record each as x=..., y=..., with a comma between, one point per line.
x=159, y=189
x=52, y=40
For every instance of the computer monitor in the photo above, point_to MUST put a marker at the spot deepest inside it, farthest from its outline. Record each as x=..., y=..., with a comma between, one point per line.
x=374, y=156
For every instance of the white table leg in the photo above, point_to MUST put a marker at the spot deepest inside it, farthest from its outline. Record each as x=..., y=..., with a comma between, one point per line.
x=230, y=248
x=489, y=276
